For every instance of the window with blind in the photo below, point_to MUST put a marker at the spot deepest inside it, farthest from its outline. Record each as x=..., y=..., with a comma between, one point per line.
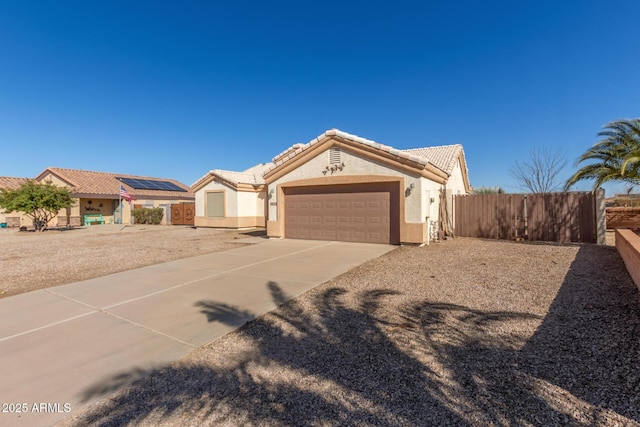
x=215, y=205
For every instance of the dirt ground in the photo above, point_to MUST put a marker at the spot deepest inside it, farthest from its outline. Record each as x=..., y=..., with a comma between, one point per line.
x=30, y=260
x=466, y=332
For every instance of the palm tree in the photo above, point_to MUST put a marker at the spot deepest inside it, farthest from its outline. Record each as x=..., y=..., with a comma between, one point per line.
x=616, y=157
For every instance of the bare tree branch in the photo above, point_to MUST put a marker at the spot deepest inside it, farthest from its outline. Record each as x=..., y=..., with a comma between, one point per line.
x=539, y=174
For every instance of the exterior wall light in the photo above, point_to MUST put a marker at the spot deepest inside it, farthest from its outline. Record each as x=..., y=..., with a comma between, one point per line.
x=409, y=189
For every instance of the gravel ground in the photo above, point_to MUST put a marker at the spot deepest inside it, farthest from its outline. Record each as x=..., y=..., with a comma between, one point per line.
x=30, y=261
x=463, y=332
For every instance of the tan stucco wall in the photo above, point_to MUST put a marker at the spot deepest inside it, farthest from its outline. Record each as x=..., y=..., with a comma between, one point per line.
x=231, y=222
x=97, y=206
x=230, y=199
x=54, y=180
x=430, y=190
x=628, y=245
x=354, y=165
x=455, y=186
x=357, y=169
x=456, y=180
x=241, y=208
x=251, y=204
x=15, y=219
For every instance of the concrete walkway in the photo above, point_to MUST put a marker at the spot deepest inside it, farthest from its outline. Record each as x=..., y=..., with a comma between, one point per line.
x=56, y=344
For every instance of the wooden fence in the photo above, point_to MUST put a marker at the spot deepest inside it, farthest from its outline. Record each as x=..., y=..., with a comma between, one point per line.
x=553, y=217
x=623, y=217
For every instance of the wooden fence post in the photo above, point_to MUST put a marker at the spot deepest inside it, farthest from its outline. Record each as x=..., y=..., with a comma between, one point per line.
x=601, y=222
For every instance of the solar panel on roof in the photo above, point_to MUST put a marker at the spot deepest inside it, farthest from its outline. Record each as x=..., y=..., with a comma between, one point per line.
x=151, y=184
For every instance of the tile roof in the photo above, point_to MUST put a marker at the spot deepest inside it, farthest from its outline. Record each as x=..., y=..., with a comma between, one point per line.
x=105, y=184
x=251, y=176
x=259, y=169
x=296, y=149
x=443, y=157
x=238, y=177
x=9, y=183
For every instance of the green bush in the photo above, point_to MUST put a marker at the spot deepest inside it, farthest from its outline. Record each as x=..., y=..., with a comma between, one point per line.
x=148, y=215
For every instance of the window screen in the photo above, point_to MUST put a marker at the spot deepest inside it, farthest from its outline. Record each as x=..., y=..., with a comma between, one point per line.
x=215, y=205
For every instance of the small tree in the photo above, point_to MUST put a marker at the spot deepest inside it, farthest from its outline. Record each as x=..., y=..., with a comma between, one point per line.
x=40, y=202
x=539, y=174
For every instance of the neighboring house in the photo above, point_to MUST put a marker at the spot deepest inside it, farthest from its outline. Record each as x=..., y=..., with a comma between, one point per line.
x=340, y=187
x=99, y=192
x=13, y=219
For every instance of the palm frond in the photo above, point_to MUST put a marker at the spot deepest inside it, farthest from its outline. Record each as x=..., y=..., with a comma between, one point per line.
x=616, y=155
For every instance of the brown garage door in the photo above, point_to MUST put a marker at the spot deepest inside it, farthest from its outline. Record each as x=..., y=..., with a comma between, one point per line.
x=349, y=213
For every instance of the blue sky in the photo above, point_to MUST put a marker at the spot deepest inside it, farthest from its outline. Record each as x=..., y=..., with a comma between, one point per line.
x=174, y=89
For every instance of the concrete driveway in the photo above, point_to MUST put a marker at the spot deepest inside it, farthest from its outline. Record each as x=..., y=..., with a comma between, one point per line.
x=58, y=344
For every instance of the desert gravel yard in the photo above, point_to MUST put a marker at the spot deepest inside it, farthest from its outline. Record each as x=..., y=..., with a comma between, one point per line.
x=463, y=332
x=30, y=261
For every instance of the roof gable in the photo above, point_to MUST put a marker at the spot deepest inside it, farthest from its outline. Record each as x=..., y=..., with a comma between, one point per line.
x=298, y=154
x=250, y=179
x=435, y=163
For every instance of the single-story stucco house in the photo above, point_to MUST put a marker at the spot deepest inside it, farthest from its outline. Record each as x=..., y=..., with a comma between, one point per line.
x=342, y=187
x=99, y=193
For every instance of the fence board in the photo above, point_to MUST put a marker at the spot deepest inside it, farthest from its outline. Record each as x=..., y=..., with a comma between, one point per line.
x=623, y=217
x=553, y=217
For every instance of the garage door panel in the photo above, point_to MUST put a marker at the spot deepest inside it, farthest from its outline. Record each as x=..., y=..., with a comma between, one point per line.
x=315, y=234
x=329, y=219
x=364, y=216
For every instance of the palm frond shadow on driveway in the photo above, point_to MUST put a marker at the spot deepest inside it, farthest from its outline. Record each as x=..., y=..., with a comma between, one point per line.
x=329, y=362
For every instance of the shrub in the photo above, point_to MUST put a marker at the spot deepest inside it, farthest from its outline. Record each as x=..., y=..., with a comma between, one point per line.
x=148, y=215
x=627, y=201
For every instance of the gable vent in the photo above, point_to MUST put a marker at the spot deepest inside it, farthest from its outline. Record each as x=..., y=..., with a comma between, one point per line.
x=334, y=156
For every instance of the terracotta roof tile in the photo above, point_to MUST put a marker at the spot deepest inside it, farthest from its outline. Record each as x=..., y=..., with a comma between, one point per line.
x=106, y=184
x=9, y=183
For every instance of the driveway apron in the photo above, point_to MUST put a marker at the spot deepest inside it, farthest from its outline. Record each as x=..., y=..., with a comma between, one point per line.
x=62, y=347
